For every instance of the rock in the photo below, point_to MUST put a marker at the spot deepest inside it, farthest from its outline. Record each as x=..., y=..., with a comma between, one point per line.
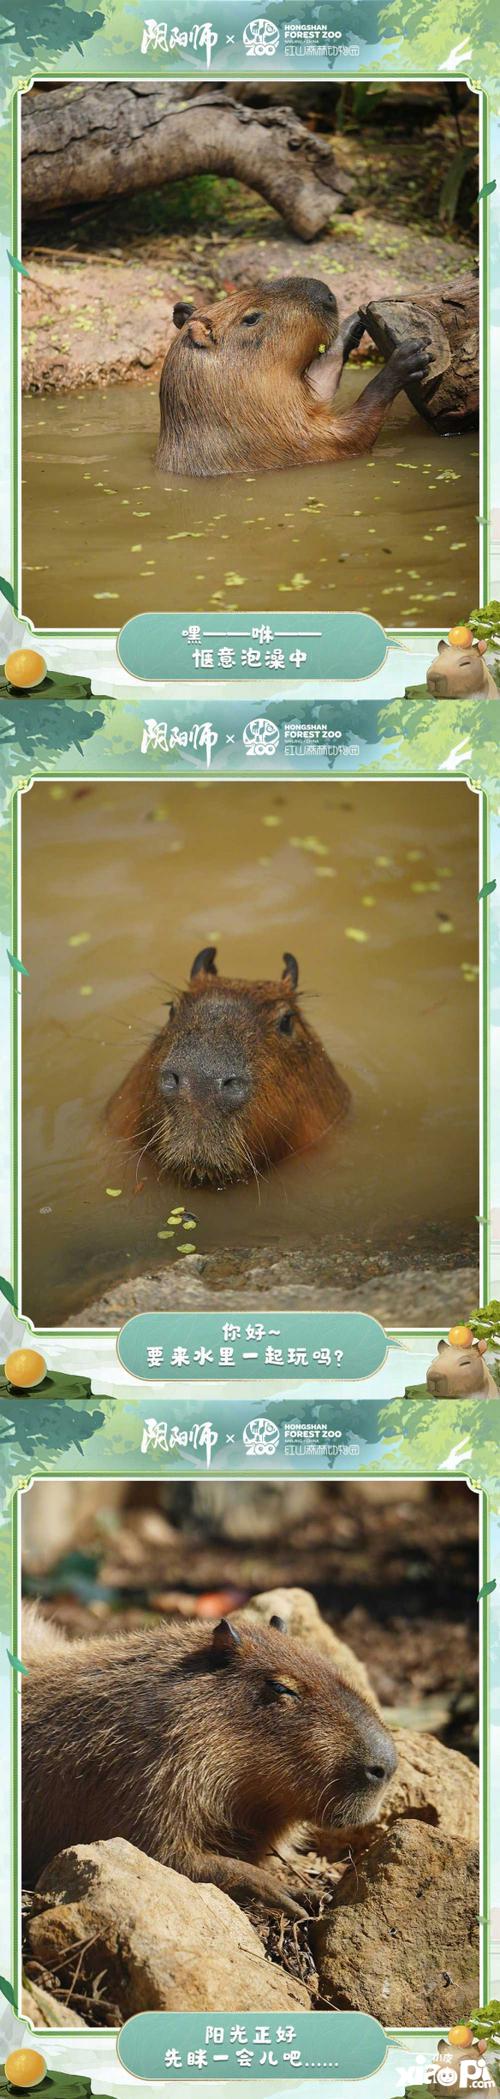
x=402, y=1939
x=435, y=1785
x=303, y=1619
x=432, y=1785
x=165, y=1943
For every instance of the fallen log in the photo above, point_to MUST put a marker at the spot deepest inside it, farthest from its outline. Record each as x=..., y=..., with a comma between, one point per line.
x=449, y=398
x=84, y=146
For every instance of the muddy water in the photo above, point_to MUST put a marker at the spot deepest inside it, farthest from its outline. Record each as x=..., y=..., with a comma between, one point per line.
x=104, y=537
x=374, y=887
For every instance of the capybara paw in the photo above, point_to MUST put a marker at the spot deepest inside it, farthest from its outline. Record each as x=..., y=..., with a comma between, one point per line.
x=352, y=330
x=411, y=360
x=276, y=1897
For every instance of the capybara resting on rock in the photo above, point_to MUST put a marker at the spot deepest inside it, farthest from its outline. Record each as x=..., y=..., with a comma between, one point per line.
x=249, y=383
x=201, y=1746
x=235, y=1081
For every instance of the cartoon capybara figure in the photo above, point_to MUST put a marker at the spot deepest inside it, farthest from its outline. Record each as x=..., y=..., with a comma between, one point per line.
x=459, y=1373
x=200, y=1744
x=249, y=383
x=455, y=673
x=466, y=2060
x=235, y=1081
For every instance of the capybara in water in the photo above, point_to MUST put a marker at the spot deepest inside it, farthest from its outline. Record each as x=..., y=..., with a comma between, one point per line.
x=456, y=673
x=245, y=385
x=201, y=1745
x=235, y=1081
x=459, y=1373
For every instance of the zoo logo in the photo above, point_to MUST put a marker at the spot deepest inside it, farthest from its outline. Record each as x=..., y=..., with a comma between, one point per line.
x=261, y=1437
x=261, y=38
x=261, y=738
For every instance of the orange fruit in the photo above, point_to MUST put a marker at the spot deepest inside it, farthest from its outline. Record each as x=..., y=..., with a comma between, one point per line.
x=461, y=637
x=26, y=2067
x=25, y=667
x=461, y=1336
x=460, y=2036
x=25, y=1367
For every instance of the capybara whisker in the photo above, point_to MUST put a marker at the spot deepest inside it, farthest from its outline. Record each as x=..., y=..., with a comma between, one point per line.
x=235, y=1081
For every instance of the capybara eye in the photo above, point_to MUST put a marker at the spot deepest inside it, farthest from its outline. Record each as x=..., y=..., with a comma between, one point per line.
x=285, y=1024
x=249, y=319
x=282, y=1690
x=172, y=1009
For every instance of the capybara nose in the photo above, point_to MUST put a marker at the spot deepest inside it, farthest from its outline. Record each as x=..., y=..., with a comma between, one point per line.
x=200, y=332
x=234, y=1090
x=211, y=1083
x=439, y=688
x=381, y=1757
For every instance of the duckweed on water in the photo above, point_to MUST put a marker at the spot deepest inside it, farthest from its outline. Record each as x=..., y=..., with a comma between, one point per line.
x=327, y=513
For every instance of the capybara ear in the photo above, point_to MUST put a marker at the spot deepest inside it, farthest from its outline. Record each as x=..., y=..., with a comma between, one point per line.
x=204, y=963
x=441, y=1345
x=291, y=971
x=225, y=1639
x=481, y=647
x=279, y=1624
x=182, y=312
x=442, y=645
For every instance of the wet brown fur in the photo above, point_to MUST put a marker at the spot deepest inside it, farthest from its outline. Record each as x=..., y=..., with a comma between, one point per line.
x=296, y=1092
x=239, y=394
x=178, y=1739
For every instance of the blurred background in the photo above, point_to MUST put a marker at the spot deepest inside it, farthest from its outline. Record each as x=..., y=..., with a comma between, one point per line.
x=393, y=1566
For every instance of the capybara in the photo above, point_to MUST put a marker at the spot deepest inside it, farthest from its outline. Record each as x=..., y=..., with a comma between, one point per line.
x=249, y=383
x=235, y=1081
x=456, y=673
x=201, y=1745
x=459, y=1373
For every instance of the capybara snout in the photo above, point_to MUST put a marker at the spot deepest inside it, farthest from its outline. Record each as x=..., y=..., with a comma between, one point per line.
x=236, y=1081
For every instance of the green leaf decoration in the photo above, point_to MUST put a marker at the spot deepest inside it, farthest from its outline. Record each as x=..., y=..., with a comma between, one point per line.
x=7, y=1291
x=55, y=2085
x=60, y=1414
x=487, y=190
x=16, y=964
x=56, y=717
x=7, y=1990
x=487, y=889
x=16, y=265
x=7, y=591
x=15, y=1663
x=52, y=26
x=487, y=1589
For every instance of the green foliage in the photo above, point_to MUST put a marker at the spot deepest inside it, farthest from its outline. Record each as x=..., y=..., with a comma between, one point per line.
x=485, y=2021
x=485, y=1323
x=485, y=621
x=51, y=1418
x=422, y=1433
x=48, y=26
x=46, y=720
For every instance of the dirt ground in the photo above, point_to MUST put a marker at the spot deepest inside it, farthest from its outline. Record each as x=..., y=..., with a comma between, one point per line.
x=97, y=306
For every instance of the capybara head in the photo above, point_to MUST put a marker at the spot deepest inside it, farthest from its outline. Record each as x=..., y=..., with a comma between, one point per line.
x=317, y=1744
x=235, y=1081
x=456, y=1372
x=456, y=672
x=231, y=380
